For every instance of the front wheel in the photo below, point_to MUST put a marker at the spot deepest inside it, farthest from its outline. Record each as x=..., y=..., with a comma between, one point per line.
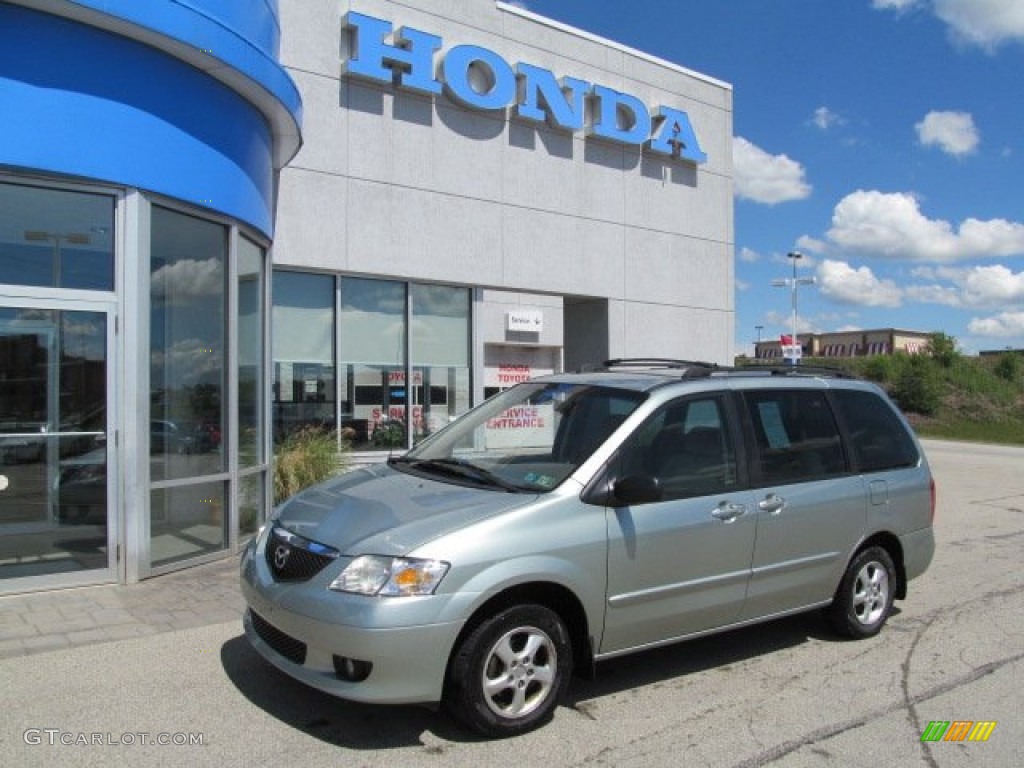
x=507, y=676
x=865, y=595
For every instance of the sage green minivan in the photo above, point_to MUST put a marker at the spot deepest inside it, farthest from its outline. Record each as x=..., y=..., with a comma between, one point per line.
x=579, y=517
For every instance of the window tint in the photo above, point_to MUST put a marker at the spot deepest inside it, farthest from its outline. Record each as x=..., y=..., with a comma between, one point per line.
x=877, y=436
x=796, y=435
x=687, y=446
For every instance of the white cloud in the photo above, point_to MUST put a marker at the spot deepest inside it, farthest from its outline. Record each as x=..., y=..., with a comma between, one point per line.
x=810, y=244
x=894, y=5
x=892, y=225
x=748, y=255
x=934, y=294
x=1003, y=325
x=985, y=23
x=188, y=278
x=784, y=320
x=984, y=286
x=994, y=285
x=842, y=283
x=952, y=132
x=766, y=178
x=824, y=118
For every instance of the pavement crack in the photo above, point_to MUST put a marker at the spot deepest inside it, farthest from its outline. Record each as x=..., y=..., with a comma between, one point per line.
x=829, y=731
x=911, y=705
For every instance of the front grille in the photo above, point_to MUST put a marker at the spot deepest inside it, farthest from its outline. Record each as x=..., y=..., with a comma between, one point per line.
x=293, y=558
x=286, y=645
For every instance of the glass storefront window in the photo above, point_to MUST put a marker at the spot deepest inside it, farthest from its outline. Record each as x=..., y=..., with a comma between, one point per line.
x=372, y=340
x=379, y=408
x=55, y=238
x=187, y=349
x=441, y=354
x=187, y=521
x=251, y=504
x=250, y=352
x=304, y=378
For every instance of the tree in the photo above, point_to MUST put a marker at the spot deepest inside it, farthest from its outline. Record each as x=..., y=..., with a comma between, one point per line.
x=942, y=349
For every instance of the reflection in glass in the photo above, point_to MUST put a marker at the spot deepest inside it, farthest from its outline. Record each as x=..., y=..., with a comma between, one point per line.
x=251, y=511
x=250, y=353
x=53, y=450
x=372, y=340
x=55, y=238
x=187, y=521
x=304, y=378
x=441, y=352
x=187, y=349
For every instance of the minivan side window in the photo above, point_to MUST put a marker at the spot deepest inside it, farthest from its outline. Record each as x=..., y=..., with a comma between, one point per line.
x=795, y=435
x=877, y=436
x=687, y=445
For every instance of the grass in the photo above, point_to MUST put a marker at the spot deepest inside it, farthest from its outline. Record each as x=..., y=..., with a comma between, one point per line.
x=306, y=457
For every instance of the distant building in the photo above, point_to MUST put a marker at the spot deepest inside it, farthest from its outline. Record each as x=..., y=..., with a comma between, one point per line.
x=998, y=352
x=884, y=341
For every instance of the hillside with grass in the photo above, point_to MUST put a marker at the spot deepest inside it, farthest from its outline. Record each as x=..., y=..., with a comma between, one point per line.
x=946, y=394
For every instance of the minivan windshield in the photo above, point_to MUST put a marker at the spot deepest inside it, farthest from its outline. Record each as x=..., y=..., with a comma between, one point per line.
x=526, y=439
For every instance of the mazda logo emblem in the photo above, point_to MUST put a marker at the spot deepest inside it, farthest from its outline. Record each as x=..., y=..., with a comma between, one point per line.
x=281, y=556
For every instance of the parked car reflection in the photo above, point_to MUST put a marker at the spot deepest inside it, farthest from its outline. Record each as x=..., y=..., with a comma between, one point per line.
x=80, y=488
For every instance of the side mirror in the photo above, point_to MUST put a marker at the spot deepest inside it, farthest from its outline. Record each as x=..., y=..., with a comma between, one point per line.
x=636, y=489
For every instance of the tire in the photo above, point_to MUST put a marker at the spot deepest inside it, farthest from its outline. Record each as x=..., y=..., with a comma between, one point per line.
x=864, y=599
x=510, y=672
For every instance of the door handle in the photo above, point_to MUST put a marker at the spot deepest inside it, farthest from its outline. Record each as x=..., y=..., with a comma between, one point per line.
x=772, y=503
x=728, y=511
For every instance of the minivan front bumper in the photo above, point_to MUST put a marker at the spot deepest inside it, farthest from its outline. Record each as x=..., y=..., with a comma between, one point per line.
x=304, y=629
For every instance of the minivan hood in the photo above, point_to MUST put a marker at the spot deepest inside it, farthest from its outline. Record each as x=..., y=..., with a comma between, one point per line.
x=381, y=511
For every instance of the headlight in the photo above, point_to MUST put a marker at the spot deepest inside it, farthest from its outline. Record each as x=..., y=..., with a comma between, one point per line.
x=390, y=576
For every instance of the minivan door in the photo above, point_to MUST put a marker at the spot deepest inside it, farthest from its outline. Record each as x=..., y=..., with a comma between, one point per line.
x=678, y=565
x=810, y=508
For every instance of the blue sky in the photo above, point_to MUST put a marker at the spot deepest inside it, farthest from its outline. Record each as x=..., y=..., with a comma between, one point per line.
x=883, y=139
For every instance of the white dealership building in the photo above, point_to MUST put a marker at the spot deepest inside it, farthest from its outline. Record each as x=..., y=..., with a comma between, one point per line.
x=366, y=215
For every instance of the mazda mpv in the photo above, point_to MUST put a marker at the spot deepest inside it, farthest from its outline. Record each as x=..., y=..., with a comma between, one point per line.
x=579, y=517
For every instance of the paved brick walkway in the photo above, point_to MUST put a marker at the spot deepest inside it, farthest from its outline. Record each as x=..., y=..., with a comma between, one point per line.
x=46, y=621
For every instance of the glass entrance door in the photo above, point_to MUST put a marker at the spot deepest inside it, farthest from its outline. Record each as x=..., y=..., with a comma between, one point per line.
x=56, y=491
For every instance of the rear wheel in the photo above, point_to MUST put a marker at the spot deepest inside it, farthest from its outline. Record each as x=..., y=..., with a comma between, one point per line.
x=509, y=673
x=864, y=599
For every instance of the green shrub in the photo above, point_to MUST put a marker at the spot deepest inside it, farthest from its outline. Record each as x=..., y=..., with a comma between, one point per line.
x=918, y=385
x=306, y=457
x=1008, y=367
x=879, y=368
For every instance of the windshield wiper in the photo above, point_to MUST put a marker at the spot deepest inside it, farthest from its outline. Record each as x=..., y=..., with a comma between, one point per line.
x=458, y=468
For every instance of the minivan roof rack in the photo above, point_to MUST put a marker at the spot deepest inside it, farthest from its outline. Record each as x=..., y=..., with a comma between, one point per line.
x=686, y=368
x=798, y=370
x=701, y=369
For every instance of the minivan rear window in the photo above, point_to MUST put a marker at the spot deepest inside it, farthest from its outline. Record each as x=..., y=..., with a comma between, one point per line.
x=878, y=438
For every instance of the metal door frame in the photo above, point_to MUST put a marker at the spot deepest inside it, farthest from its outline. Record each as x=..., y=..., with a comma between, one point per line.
x=105, y=304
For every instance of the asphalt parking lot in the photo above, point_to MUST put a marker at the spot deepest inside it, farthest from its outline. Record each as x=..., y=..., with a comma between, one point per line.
x=783, y=694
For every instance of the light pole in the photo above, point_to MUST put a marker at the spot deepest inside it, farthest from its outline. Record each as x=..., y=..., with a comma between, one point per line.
x=793, y=283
